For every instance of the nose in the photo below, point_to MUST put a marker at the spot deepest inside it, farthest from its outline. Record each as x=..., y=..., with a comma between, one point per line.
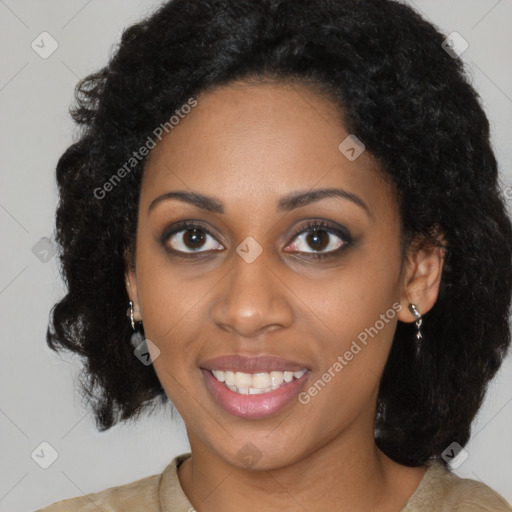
x=252, y=299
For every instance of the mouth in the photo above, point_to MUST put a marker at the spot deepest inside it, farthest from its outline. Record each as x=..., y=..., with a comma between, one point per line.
x=253, y=387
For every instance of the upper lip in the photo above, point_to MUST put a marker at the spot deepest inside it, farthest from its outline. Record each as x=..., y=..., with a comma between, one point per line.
x=252, y=364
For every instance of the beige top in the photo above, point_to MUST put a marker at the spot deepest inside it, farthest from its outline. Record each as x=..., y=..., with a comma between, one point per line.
x=439, y=491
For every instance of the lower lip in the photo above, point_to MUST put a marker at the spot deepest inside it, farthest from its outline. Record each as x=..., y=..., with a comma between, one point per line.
x=253, y=406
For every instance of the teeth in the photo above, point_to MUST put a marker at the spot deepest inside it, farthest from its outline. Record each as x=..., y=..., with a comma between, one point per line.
x=219, y=375
x=260, y=380
x=255, y=391
x=255, y=383
x=276, y=379
x=243, y=380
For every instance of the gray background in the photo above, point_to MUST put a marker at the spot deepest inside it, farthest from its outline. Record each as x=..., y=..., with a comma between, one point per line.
x=38, y=399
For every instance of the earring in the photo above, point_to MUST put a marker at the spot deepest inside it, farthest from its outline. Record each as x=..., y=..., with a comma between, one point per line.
x=419, y=320
x=131, y=316
x=136, y=338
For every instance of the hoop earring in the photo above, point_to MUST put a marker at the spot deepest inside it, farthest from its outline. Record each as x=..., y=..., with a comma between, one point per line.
x=419, y=320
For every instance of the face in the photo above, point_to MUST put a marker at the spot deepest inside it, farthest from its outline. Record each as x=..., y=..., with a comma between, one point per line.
x=245, y=272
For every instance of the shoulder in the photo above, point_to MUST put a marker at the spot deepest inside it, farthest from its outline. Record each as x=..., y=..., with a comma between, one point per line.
x=139, y=495
x=443, y=491
x=469, y=495
x=151, y=494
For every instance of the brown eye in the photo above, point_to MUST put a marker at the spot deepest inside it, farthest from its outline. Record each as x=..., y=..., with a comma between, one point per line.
x=191, y=239
x=320, y=239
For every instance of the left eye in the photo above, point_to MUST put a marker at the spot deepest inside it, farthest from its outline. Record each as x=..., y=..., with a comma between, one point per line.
x=315, y=240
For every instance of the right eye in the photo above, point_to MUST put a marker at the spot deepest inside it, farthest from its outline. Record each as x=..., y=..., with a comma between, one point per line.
x=191, y=238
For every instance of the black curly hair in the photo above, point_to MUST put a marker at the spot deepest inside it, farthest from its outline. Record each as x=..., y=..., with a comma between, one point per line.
x=398, y=90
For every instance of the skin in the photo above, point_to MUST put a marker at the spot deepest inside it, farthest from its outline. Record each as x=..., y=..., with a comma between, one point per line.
x=248, y=145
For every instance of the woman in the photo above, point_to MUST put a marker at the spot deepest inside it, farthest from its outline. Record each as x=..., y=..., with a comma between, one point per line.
x=283, y=216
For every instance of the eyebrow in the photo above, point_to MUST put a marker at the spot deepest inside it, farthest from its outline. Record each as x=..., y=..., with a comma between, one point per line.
x=287, y=203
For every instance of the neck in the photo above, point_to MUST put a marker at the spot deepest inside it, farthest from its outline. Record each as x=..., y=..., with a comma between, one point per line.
x=349, y=471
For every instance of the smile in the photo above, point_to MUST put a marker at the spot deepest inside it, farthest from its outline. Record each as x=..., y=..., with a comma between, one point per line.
x=255, y=383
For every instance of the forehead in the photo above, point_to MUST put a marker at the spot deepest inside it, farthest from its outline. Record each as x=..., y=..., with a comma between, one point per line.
x=249, y=143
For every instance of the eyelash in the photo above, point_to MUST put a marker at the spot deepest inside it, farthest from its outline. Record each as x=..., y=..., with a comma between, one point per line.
x=310, y=226
x=320, y=225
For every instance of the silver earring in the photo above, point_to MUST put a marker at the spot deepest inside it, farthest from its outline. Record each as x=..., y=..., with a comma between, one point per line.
x=419, y=320
x=136, y=338
x=132, y=321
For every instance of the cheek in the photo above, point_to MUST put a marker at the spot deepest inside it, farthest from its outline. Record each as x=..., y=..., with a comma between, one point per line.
x=170, y=305
x=356, y=311
x=352, y=297
x=351, y=358
x=170, y=310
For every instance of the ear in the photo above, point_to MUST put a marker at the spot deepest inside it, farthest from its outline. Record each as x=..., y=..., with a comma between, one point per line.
x=423, y=268
x=130, y=278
